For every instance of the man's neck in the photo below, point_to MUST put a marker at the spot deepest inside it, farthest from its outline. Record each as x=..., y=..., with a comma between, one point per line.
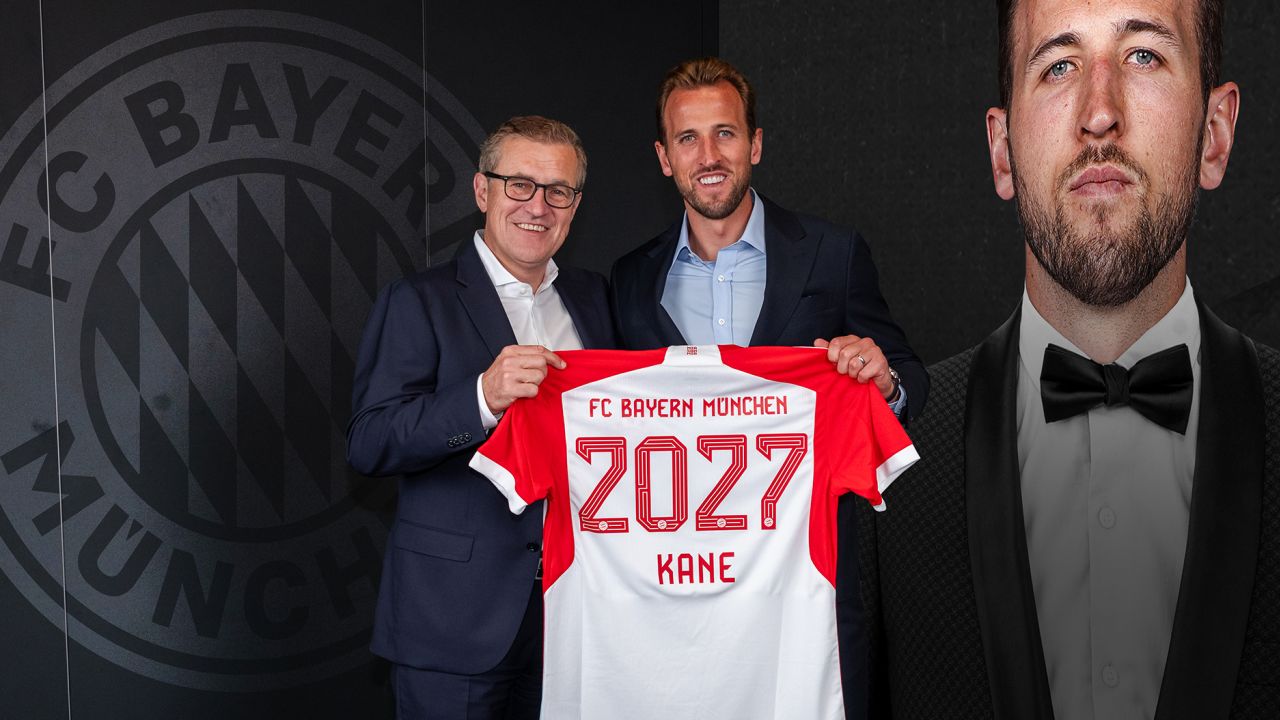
x=1104, y=333
x=707, y=237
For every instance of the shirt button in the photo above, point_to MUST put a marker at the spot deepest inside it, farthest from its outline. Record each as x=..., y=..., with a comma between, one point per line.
x=1107, y=517
x=531, y=547
x=1110, y=676
x=720, y=278
x=720, y=321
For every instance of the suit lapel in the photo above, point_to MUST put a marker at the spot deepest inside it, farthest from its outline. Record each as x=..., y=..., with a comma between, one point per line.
x=1222, y=538
x=786, y=270
x=660, y=260
x=475, y=291
x=592, y=329
x=997, y=536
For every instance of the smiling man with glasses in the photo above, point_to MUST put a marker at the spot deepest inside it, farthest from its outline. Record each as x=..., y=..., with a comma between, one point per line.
x=445, y=352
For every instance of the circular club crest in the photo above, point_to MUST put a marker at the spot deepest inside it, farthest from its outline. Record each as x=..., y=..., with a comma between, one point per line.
x=226, y=194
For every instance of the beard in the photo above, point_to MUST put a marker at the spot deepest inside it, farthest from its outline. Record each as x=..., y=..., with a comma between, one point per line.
x=1096, y=265
x=717, y=210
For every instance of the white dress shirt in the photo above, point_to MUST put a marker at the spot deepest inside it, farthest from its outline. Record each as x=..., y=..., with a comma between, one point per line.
x=1106, y=499
x=537, y=317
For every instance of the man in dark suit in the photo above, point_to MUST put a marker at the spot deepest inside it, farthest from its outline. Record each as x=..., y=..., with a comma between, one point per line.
x=739, y=269
x=1094, y=528
x=444, y=353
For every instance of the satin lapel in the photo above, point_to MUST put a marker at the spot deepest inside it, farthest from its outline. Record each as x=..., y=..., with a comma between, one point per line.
x=480, y=300
x=1222, y=538
x=997, y=536
x=660, y=260
x=592, y=329
x=786, y=270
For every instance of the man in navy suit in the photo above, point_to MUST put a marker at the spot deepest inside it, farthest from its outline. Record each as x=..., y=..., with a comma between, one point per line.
x=737, y=268
x=444, y=353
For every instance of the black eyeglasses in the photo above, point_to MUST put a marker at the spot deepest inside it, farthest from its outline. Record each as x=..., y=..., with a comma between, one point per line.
x=522, y=188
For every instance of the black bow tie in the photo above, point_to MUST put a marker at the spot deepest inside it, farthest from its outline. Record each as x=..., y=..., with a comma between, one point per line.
x=1157, y=386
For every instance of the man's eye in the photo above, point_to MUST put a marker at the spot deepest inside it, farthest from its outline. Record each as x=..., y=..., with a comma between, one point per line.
x=684, y=139
x=520, y=185
x=726, y=133
x=1059, y=68
x=1144, y=57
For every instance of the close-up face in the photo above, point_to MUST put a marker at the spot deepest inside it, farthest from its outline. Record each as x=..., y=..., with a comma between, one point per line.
x=525, y=234
x=1104, y=139
x=708, y=149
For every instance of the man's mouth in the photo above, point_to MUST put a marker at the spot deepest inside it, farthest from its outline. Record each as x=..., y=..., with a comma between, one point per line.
x=714, y=179
x=1100, y=181
x=532, y=227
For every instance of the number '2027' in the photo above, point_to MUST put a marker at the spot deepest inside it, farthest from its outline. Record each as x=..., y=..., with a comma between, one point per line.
x=705, y=517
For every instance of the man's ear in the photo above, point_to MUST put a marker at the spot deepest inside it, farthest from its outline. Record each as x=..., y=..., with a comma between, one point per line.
x=998, y=147
x=1219, y=134
x=665, y=164
x=480, y=184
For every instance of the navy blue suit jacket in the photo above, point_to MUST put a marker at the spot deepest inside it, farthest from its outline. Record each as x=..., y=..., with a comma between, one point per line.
x=820, y=282
x=459, y=565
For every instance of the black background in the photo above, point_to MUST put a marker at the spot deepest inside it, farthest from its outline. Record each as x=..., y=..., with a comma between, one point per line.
x=873, y=117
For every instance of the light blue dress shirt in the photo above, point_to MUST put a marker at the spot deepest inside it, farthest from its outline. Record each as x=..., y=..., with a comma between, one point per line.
x=717, y=302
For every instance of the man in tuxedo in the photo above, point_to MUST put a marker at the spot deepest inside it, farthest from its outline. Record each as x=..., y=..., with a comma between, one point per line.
x=444, y=353
x=738, y=269
x=1094, y=528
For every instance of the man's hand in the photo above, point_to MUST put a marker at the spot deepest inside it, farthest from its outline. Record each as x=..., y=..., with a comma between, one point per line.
x=516, y=373
x=861, y=359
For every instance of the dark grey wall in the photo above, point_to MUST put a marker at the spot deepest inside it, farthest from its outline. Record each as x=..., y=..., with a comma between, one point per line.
x=232, y=181
x=873, y=116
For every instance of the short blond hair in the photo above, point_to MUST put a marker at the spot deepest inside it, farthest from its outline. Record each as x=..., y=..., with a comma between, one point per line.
x=705, y=72
x=538, y=129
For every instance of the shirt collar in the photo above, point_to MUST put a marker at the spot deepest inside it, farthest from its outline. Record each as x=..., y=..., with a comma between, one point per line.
x=752, y=234
x=1180, y=325
x=500, y=276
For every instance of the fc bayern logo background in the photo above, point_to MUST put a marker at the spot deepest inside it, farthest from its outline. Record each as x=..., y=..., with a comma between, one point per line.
x=228, y=191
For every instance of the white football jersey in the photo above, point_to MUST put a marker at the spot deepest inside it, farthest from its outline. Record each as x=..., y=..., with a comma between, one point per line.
x=689, y=548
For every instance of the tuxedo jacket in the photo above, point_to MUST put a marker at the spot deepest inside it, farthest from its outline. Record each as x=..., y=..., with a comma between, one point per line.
x=946, y=575
x=459, y=566
x=820, y=282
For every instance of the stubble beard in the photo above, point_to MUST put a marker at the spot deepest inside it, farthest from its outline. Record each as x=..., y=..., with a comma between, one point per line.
x=723, y=209
x=1103, y=267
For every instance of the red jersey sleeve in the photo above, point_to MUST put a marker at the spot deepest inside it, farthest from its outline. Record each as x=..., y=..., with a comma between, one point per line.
x=507, y=457
x=865, y=447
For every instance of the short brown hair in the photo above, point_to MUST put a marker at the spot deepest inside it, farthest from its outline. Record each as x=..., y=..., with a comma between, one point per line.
x=1208, y=32
x=538, y=129
x=704, y=72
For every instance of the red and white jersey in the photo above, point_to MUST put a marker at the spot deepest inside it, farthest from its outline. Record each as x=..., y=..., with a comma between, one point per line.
x=689, y=551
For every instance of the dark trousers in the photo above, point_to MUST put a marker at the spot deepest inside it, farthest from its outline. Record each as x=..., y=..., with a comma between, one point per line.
x=512, y=690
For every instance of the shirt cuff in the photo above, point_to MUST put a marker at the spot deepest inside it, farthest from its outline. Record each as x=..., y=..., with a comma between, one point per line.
x=488, y=419
x=897, y=406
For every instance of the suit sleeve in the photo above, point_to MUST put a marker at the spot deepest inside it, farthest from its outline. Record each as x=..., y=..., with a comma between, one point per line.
x=403, y=420
x=867, y=315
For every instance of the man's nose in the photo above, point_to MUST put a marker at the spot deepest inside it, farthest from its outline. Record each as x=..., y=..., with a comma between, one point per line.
x=1102, y=104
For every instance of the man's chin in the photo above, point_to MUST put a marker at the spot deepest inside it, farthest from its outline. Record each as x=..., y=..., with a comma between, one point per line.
x=714, y=209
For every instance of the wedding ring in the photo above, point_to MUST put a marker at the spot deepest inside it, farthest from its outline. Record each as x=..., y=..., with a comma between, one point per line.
x=864, y=360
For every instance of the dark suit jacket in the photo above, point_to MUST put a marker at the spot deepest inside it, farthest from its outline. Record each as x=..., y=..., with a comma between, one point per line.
x=946, y=576
x=820, y=282
x=459, y=566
